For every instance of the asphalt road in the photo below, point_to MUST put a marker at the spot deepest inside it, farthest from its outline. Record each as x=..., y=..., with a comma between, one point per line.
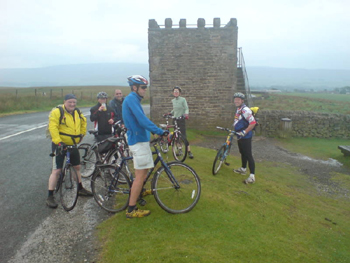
x=25, y=166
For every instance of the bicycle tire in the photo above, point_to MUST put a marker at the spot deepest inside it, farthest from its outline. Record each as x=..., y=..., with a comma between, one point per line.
x=69, y=187
x=179, y=148
x=110, y=194
x=113, y=159
x=88, y=159
x=172, y=200
x=218, y=161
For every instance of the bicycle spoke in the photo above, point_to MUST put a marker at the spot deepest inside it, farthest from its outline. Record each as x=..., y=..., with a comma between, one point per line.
x=180, y=193
x=88, y=159
x=110, y=192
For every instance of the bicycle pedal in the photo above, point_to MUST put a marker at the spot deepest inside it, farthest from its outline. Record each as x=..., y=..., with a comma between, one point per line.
x=142, y=202
x=228, y=164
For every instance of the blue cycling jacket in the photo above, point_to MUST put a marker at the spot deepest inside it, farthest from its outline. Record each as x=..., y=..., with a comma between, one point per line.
x=135, y=120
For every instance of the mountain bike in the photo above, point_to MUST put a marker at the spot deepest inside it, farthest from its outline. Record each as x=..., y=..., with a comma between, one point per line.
x=176, y=186
x=101, y=152
x=223, y=152
x=68, y=183
x=176, y=140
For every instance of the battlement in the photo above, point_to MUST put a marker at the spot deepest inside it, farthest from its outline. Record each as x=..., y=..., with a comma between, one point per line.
x=202, y=60
x=168, y=24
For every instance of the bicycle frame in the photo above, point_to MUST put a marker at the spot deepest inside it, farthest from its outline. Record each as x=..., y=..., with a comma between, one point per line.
x=223, y=151
x=159, y=158
x=175, y=126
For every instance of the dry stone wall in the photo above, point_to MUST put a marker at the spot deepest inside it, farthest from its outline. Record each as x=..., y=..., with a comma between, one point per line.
x=304, y=124
x=202, y=61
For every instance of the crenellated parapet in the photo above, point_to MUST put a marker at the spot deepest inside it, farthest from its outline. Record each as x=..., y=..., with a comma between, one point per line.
x=202, y=60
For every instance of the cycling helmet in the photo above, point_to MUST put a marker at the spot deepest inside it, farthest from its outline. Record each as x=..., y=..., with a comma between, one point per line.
x=102, y=95
x=137, y=80
x=239, y=95
x=177, y=88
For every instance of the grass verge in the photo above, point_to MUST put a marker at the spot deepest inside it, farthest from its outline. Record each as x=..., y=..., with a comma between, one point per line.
x=281, y=218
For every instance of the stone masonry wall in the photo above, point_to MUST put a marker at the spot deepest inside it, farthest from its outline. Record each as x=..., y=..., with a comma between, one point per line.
x=202, y=61
x=304, y=124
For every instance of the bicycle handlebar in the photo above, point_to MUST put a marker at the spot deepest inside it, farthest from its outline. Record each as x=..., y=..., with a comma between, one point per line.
x=167, y=116
x=226, y=129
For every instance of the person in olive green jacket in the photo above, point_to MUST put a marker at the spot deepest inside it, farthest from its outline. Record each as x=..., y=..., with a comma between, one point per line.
x=180, y=108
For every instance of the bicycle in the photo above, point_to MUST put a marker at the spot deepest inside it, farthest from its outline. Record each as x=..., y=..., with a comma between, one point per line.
x=176, y=186
x=68, y=183
x=177, y=141
x=224, y=151
x=101, y=152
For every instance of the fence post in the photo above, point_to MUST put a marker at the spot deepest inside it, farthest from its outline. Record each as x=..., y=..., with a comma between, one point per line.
x=61, y=93
x=35, y=92
x=50, y=94
x=81, y=96
x=16, y=93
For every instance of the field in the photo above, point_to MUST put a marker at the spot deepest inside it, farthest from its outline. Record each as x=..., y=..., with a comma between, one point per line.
x=24, y=100
x=316, y=102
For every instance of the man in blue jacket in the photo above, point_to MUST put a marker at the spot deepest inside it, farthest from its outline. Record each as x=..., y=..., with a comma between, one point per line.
x=244, y=124
x=138, y=132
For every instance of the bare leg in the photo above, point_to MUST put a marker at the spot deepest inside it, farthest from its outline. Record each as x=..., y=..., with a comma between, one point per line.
x=140, y=177
x=53, y=178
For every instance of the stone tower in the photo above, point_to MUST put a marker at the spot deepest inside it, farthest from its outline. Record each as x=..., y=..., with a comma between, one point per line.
x=202, y=61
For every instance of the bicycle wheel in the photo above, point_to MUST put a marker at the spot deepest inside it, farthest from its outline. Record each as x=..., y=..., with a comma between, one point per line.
x=113, y=159
x=219, y=159
x=88, y=159
x=174, y=199
x=110, y=192
x=69, y=188
x=179, y=145
x=164, y=145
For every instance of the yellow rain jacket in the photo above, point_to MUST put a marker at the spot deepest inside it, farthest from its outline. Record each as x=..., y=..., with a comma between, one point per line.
x=69, y=125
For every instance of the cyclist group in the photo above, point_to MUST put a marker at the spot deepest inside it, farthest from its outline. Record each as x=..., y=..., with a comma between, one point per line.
x=72, y=128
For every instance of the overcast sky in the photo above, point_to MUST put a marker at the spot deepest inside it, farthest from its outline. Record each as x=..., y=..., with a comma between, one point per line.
x=311, y=34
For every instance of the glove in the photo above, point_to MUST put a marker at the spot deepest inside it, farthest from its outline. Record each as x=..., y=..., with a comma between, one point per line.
x=186, y=117
x=62, y=144
x=241, y=133
x=61, y=147
x=165, y=133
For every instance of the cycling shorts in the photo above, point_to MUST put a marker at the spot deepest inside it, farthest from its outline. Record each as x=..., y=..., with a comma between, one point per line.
x=142, y=155
x=58, y=159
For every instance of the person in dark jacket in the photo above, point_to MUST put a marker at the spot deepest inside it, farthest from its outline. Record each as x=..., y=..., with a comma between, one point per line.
x=103, y=117
x=116, y=105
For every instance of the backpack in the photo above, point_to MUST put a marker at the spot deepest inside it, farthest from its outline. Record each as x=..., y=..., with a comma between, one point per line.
x=48, y=134
x=254, y=113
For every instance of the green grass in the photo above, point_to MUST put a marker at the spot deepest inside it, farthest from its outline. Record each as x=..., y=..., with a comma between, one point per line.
x=281, y=218
x=323, y=96
x=325, y=103
x=25, y=101
x=317, y=148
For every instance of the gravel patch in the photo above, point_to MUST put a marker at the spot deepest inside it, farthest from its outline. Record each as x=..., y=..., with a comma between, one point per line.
x=319, y=172
x=65, y=236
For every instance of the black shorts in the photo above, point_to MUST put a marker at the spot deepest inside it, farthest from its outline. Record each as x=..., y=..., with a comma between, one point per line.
x=58, y=159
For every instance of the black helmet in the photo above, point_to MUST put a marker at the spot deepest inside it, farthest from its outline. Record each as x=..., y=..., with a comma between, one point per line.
x=178, y=88
x=239, y=95
x=102, y=95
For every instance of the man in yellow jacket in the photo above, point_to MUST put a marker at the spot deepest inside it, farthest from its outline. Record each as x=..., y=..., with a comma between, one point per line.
x=68, y=129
